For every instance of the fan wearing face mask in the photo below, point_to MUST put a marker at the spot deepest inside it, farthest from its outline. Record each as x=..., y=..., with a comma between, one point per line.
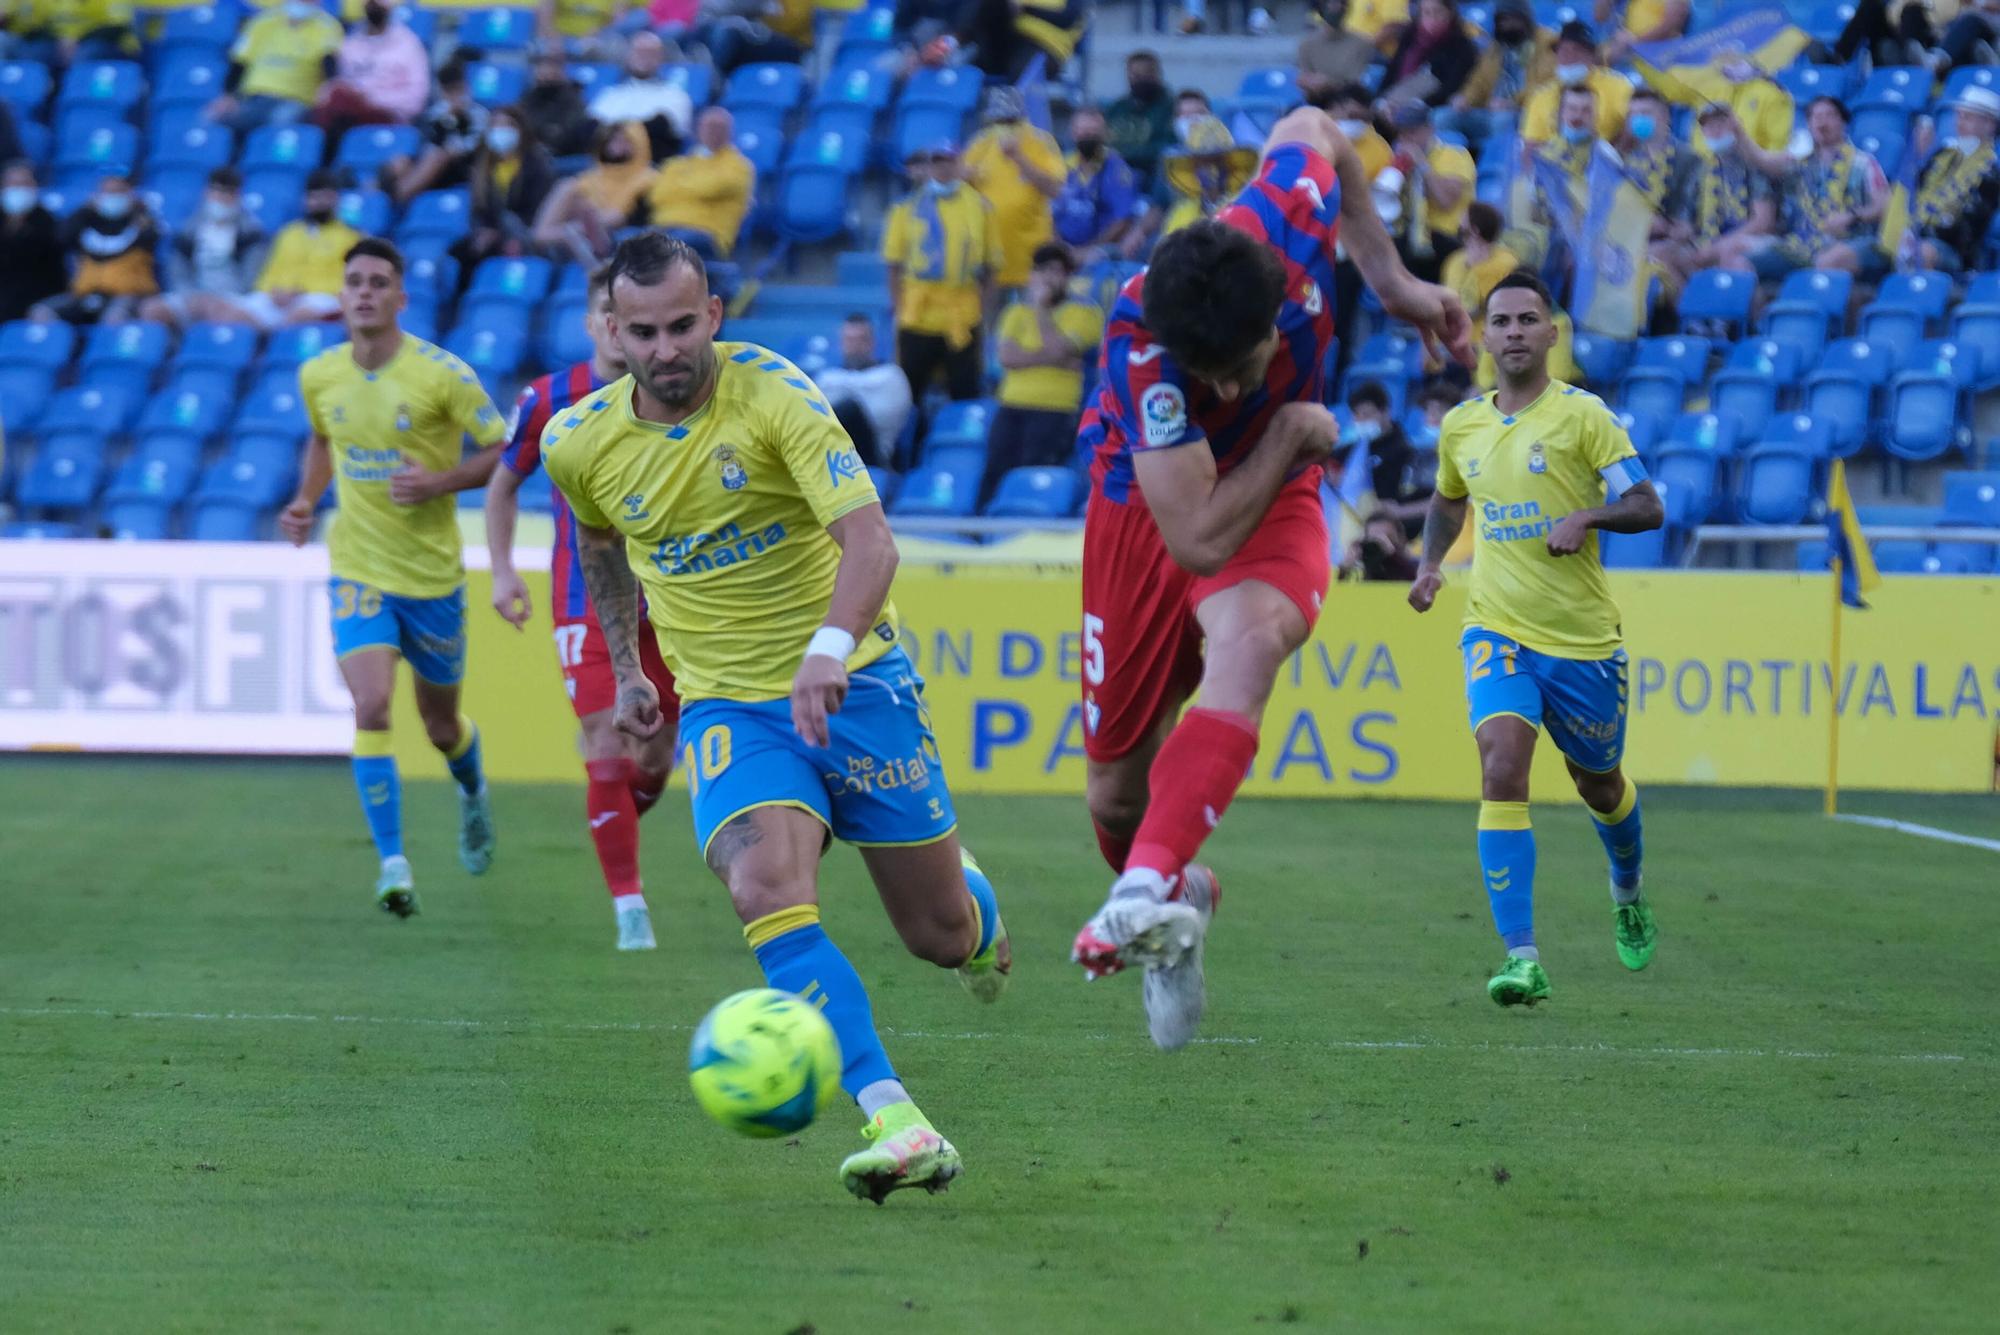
x=453, y=127
x=300, y=281
x=1666, y=173
x=1521, y=56
x=1735, y=205
x=943, y=246
x=1019, y=168
x=583, y=211
x=1140, y=126
x=381, y=77
x=1434, y=58
x=280, y=60
x=31, y=239
x=1958, y=190
x=511, y=176
x=213, y=258
x=109, y=243
x=1577, y=66
x=1099, y=211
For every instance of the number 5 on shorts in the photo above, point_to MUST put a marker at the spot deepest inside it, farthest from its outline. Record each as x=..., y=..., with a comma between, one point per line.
x=1093, y=649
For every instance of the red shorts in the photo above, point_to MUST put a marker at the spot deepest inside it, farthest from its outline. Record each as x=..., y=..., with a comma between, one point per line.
x=586, y=667
x=1141, y=643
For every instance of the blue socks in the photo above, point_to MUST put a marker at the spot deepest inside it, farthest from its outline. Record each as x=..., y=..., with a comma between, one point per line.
x=983, y=899
x=464, y=758
x=381, y=790
x=1618, y=830
x=1507, y=860
x=797, y=956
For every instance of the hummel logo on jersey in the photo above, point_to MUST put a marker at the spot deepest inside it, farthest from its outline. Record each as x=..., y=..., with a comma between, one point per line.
x=635, y=508
x=1141, y=358
x=601, y=817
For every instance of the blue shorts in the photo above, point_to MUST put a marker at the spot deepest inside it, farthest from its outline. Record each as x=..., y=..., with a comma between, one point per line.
x=877, y=782
x=1581, y=701
x=428, y=632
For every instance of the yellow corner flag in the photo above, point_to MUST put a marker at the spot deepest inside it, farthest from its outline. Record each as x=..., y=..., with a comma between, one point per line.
x=1846, y=542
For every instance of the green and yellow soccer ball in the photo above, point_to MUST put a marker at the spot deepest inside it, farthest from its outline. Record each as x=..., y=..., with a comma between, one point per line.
x=764, y=1062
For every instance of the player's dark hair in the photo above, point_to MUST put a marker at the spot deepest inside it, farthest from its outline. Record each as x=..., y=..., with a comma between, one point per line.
x=1527, y=280
x=1212, y=295
x=375, y=248
x=1485, y=221
x=1369, y=394
x=598, y=283
x=646, y=258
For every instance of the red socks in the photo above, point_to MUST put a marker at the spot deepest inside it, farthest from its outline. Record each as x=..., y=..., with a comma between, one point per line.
x=1117, y=848
x=646, y=786
x=614, y=822
x=1199, y=769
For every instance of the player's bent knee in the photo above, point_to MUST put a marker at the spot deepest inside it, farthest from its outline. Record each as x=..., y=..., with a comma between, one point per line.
x=600, y=739
x=944, y=937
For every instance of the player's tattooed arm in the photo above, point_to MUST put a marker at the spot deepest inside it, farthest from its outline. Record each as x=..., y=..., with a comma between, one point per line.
x=1442, y=525
x=1637, y=510
x=614, y=595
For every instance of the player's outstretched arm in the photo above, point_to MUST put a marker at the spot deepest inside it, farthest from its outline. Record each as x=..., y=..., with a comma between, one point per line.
x=1205, y=520
x=868, y=560
x=503, y=507
x=1442, y=526
x=295, y=521
x=614, y=593
x=1638, y=510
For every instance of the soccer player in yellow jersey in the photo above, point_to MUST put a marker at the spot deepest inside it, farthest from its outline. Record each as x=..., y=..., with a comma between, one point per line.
x=718, y=474
x=1533, y=462
x=389, y=413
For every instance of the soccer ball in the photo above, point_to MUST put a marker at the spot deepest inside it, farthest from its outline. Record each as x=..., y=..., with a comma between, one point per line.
x=763, y=1062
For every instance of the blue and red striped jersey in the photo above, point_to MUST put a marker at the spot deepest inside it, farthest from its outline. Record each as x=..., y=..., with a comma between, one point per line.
x=1146, y=401
x=540, y=400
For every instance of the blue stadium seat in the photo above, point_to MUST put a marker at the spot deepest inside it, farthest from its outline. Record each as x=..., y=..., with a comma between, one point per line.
x=1718, y=296
x=24, y=395
x=1806, y=82
x=1688, y=478
x=36, y=343
x=1928, y=293
x=365, y=148
x=824, y=144
x=443, y=213
x=138, y=345
x=495, y=310
x=38, y=142
x=25, y=86
x=1036, y=493
x=367, y=211
x=289, y=147
x=1887, y=150
x=952, y=88
x=1893, y=327
x=1883, y=121
x=163, y=478
x=88, y=145
x=1924, y=418
x=1602, y=360
x=1775, y=484
x=1949, y=358
x=492, y=353
x=66, y=472
x=496, y=85
x=811, y=353
x=945, y=485
x=1960, y=558
x=593, y=79
x=961, y=425
x=1902, y=85
x=273, y=406
x=1711, y=431
x=189, y=80
x=267, y=450
x=1685, y=357
x=572, y=281
x=920, y=126
x=1972, y=498
x=1633, y=551
x=1766, y=357
x=171, y=450
x=886, y=483
x=435, y=276
x=115, y=85
x=173, y=193
x=697, y=81
x=525, y=279
x=185, y=140
x=1643, y=432
x=1652, y=392
x=856, y=86
x=1800, y=431
x=1822, y=291
x=296, y=344
x=778, y=87
x=275, y=196
x=224, y=521
x=764, y=145
x=1392, y=345
x=39, y=530
x=811, y=203
x=197, y=402
x=498, y=29
x=1970, y=76
x=1271, y=83
x=563, y=340
x=250, y=481
x=1901, y=557
x=861, y=268
x=138, y=520
x=1750, y=399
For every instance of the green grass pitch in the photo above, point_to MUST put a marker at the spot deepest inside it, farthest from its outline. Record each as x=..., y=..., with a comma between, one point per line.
x=233, y=1096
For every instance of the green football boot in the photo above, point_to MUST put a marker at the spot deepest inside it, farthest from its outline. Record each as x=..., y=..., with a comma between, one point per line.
x=906, y=1151
x=395, y=889
x=1520, y=983
x=1633, y=929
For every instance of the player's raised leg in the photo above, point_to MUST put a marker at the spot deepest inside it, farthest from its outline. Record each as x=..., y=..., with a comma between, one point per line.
x=945, y=910
x=1613, y=801
x=370, y=674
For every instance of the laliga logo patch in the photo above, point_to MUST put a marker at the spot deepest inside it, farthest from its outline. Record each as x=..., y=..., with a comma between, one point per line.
x=1537, y=461
x=1165, y=414
x=733, y=476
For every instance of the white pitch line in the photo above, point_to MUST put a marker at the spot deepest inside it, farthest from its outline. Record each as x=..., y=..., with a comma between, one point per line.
x=1923, y=831
x=979, y=1036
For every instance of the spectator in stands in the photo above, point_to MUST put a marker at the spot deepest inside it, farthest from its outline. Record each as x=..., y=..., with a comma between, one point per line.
x=1354, y=113
x=1330, y=56
x=453, y=127
x=1575, y=141
x=1009, y=36
x=1640, y=21
x=1520, y=57
x=1959, y=186
x=1893, y=32
x=581, y=20
x=109, y=243
x=217, y=253
x=1400, y=481
x=1577, y=66
x=584, y=211
x=10, y=137
x=1830, y=203
x=1019, y=168
x=511, y=177
x=1733, y=201
x=381, y=77
x=1480, y=261
x=703, y=196
x=925, y=30
x=1760, y=106
x=1434, y=58
x=745, y=32
x=870, y=397
x=1099, y=210
x=943, y=248
x=645, y=95
x=1045, y=339
x=31, y=239
x=554, y=106
x=1206, y=174
x=1141, y=123
x=280, y=59
x=1437, y=186
x=1380, y=21
x=1667, y=174
x=1970, y=38
x=300, y=282
x=58, y=32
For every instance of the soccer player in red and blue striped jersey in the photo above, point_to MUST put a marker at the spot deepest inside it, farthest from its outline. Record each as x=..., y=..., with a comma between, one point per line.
x=625, y=774
x=1204, y=525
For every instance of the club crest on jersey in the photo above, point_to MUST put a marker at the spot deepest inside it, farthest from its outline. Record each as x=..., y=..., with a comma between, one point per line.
x=1312, y=300
x=733, y=476
x=1472, y=468
x=635, y=508
x=1164, y=414
x=402, y=417
x=339, y=414
x=1537, y=459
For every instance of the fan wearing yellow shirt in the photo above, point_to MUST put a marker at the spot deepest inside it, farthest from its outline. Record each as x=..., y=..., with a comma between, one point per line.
x=1019, y=168
x=1577, y=66
x=389, y=413
x=1044, y=341
x=302, y=277
x=718, y=475
x=1640, y=21
x=942, y=245
x=277, y=65
x=704, y=194
x=1534, y=462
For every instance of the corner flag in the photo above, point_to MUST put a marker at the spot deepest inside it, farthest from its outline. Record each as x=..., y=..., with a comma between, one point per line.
x=1845, y=540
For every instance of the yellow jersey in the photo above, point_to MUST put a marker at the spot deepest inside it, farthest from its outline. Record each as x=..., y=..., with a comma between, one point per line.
x=1452, y=163
x=708, y=192
x=1520, y=475
x=1370, y=17
x=414, y=409
x=1048, y=389
x=1614, y=95
x=1026, y=216
x=725, y=518
x=945, y=246
x=305, y=258
x=281, y=59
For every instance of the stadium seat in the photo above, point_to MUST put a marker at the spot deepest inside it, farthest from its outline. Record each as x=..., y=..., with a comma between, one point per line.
x=24, y=395
x=1711, y=431
x=254, y=481
x=1748, y=398
x=36, y=343
x=1923, y=420
x=772, y=333
x=173, y=193
x=821, y=144
x=495, y=85
x=190, y=143
x=171, y=450
x=1902, y=85
x=944, y=487
x=1643, y=432
x=774, y=86
x=433, y=276
x=1970, y=76
x=224, y=521
x=138, y=345
x=39, y=530
x=811, y=204
x=524, y=279
x=952, y=88
x=297, y=344
x=1602, y=360
x=1806, y=82
x=38, y=142
x=1972, y=498
x=274, y=196
x=1883, y=121
x=289, y=147
x=812, y=354
x=1893, y=327
x=189, y=81
x=1775, y=484
x=922, y=125
x=66, y=472
x=1929, y=293
x=1656, y=393
x=196, y=402
x=1960, y=558
x=367, y=211
x=1718, y=296
x=1901, y=557
x=273, y=406
x=697, y=81
x=861, y=268
x=1949, y=358
x=1685, y=357
x=961, y=425
x=1842, y=392
x=115, y=85
x=492, y=353
x=886, y=483
x=1800, y=432
x=365, y=148
x=87, y=147
x=563, y=340
x=136, y=520
x=763, y=145
x=1036, y=493
x=1633, y=551
x=161, y=478
x=441, y=213
x=502, y=28
x=1823, y=292
x=24, y=86
x=856, y=86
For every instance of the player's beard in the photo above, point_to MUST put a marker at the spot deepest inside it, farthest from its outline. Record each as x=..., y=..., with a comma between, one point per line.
x=679, y=390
